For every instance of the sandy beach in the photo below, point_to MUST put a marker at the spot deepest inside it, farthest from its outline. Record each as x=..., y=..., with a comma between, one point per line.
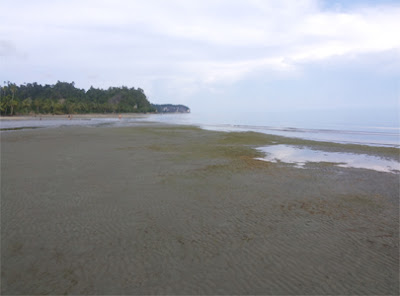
x=158, y=209
x=74, y=116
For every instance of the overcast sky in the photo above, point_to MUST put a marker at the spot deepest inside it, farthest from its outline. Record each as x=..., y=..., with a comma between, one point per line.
x=250, y=54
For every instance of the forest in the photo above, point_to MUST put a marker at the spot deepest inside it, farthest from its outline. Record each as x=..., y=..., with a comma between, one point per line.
x=65, y=98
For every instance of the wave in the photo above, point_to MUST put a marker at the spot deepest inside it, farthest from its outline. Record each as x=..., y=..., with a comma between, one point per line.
x=364, y=137
x=372, y=135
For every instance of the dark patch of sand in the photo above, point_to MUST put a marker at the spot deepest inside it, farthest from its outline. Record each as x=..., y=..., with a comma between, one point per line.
x=177, y=210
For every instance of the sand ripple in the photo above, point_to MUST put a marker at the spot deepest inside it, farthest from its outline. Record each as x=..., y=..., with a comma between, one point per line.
x=103, y=220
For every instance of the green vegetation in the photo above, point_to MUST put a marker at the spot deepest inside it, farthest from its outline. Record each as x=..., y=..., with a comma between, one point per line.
x=185, y=145
x=169, y=108
x=65, y=98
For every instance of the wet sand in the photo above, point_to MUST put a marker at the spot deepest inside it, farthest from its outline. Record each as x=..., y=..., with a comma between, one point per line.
x=74, y=116
x=159, y=209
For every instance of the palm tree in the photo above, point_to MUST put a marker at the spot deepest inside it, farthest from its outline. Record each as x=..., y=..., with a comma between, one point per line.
x=37, y=104
x=12, y=103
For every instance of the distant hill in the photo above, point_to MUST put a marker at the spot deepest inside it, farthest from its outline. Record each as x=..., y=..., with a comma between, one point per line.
x=169, y=108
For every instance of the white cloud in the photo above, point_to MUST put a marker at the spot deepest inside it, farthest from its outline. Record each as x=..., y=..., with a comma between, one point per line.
x=207, y=42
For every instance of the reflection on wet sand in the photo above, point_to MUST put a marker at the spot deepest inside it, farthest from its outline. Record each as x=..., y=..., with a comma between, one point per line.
x=300, y=156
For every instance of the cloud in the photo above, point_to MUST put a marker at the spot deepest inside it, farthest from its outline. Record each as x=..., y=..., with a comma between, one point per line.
x=7, y=48
x=181, y=47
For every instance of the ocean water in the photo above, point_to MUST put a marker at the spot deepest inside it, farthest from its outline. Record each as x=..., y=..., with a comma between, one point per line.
x=348, y=127
x=341, y=127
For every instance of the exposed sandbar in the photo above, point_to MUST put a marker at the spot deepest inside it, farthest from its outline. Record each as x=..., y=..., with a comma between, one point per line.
x=177, y=210
x=80, y=116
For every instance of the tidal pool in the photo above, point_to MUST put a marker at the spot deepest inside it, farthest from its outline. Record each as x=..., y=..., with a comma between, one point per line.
x=300, y=156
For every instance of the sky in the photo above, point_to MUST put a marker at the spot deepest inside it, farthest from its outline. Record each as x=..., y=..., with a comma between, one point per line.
x=212, y=54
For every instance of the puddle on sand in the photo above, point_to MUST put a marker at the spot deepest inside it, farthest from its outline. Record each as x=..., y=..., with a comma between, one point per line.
x=300, y=156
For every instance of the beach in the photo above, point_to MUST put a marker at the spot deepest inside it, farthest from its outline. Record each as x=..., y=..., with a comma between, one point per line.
x=164, y=209
x=73, y=116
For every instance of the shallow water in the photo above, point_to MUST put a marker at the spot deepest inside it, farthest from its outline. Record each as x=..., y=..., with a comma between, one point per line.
x=339, y=130
x=300, y=156
x=357, y=133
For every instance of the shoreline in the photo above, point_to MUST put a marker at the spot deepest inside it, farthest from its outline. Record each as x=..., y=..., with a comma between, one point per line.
x=372, y=138
x=385, y=153
x=65, y=116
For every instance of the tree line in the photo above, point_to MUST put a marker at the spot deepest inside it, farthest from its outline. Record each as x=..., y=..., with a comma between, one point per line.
x=65, y=98
x=170, y=108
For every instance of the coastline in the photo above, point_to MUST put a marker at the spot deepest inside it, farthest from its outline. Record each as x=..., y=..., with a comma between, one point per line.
x=367, y=136
x=160, y=209
x=78, y=116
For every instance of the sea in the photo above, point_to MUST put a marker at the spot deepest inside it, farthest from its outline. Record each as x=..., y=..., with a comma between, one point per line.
x=339, y=127
x=375, y=131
